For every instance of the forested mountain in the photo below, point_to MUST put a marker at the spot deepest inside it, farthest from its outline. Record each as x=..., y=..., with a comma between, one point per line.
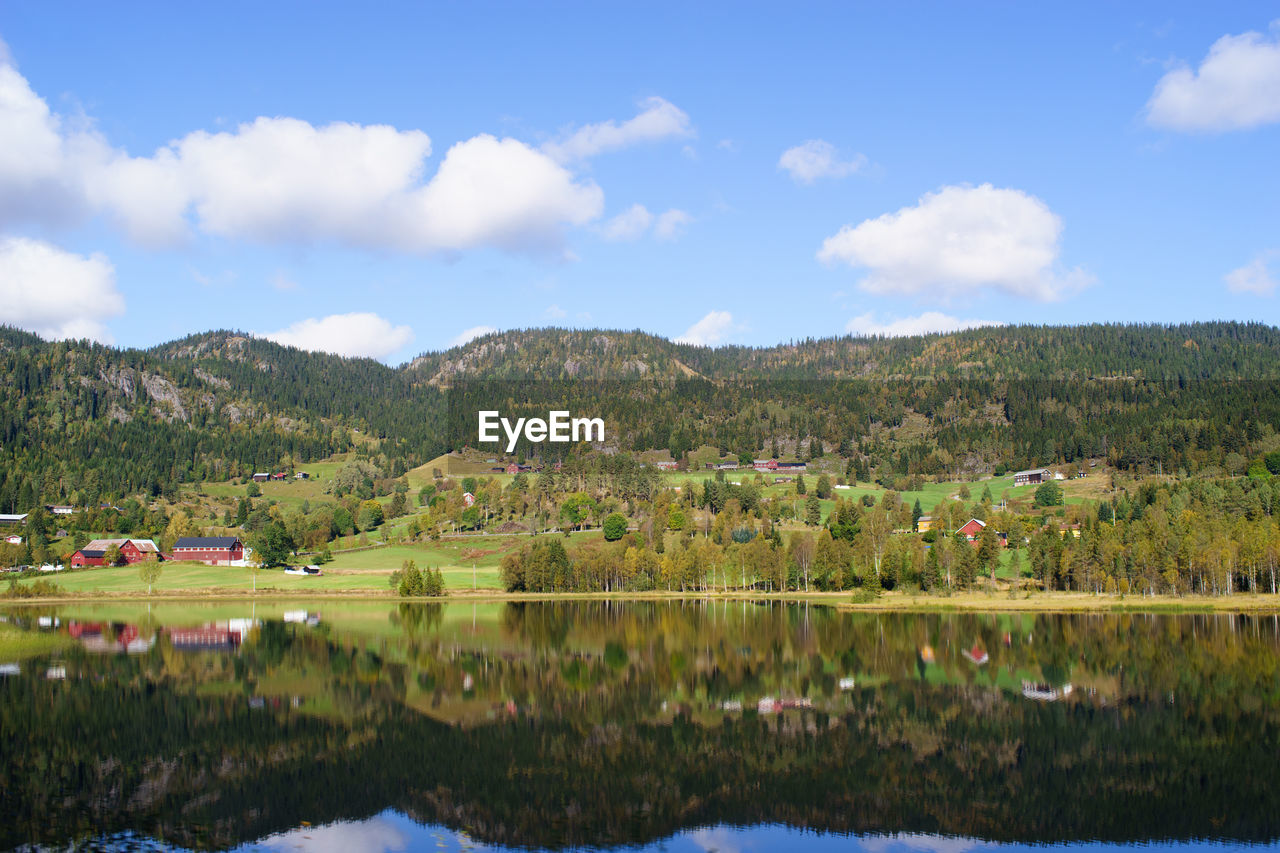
x=83, y=422
x=1185, y=352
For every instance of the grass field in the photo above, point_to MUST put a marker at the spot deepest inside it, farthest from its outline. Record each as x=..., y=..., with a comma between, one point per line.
x=353, y=571
x=455, y=466
x=372, y=615
x=195, y=577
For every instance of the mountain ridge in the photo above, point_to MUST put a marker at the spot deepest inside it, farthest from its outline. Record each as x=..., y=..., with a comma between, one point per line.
x=81, y=418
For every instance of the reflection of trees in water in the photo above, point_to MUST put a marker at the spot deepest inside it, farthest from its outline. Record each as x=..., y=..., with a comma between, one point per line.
x=417, y=619
x=914, y=747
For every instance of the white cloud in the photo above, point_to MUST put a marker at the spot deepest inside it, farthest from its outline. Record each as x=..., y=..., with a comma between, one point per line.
x=33, y=179
x=55, y=293
x=628, y=225
x=927, y=323
x=357, y=335
x=555, y=312
x=710, y=331
x=670, y=225
x=1255, y=277
x=816, y=159
x=956, y=241
x=635, y=221
x=1237, y=86
x=658, y=119
x=500, y=193
x=283, y=180
x=468, y=335
x=6, y=56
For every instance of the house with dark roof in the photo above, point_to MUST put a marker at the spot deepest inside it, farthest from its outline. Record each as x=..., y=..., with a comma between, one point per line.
x=210, y=550
x=1032, y=477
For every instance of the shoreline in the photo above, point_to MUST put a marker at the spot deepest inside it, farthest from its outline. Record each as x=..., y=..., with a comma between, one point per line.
x=971, y=602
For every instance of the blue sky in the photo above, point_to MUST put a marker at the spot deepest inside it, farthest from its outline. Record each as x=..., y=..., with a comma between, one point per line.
x=387, y=181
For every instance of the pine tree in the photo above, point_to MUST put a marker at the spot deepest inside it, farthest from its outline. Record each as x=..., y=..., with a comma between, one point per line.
x=932, y=574
x=410, y=579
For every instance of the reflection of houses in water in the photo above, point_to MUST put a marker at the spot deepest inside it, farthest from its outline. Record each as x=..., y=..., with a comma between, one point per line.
x=302, y=617
x=846, y=683
x=766, y=705
x=206, y=637
x=769, y=705
x=110, y=637
x=1044, y=692
x=977, y=655
x=212, y=636
x=926, y=654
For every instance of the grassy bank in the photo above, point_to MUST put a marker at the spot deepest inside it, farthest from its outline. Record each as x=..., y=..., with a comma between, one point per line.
x=980, y=601
x=16, y=644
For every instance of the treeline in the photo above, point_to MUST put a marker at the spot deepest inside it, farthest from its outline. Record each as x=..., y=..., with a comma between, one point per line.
x=1203, y=537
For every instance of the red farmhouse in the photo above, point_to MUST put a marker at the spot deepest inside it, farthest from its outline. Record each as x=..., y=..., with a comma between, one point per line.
x=131, y=551
x=211, y=550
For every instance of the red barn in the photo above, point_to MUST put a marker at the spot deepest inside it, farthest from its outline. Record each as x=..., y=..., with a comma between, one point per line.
x=972, y=529
x=210, y=550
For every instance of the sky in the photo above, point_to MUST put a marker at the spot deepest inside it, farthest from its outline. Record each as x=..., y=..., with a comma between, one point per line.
x=405, y=177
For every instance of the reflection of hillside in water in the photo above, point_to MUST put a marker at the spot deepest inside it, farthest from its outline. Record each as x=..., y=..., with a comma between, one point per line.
x=601, y=723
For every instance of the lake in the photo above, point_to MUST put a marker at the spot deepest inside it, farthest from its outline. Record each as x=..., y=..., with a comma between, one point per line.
x=721, y=725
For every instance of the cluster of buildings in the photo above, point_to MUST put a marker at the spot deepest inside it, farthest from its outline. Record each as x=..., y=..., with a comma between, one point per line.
x=20, y=518
x=759, y=465
x=514, y=468
x=131, y=551
x=210, y=550
x=262, y=477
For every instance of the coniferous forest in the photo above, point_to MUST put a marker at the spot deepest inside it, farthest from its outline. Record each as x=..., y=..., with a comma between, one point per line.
x=89, y=422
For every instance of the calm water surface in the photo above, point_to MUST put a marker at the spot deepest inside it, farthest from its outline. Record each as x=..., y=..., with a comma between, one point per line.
x=674, y=726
